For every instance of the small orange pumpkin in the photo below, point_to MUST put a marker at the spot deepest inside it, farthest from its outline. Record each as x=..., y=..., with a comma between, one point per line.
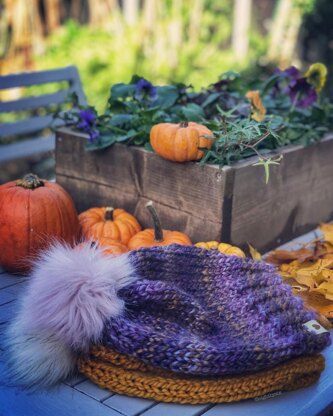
x=110, y=246
x=180, y=142
x=108, y=222
x=157, y=236
x=33, y=213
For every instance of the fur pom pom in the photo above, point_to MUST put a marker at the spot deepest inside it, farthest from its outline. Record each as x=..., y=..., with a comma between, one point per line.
x=37, y=359
x=71, y=293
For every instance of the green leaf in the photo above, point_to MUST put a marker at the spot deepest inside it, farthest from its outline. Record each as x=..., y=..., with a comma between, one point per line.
x=121, y=119
x=266, y=163
x=193, y=112
x=269, y=83
x=121, y=91
x=229, y=75
x=102, y=143
x=148, y=147
x=167, y=96
x=210, y=99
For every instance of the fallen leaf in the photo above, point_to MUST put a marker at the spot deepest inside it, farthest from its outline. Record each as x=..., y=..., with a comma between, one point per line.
x=254, y=253
x=327, y=230
x=323, y=249
x=290, y=269
x=284, y=256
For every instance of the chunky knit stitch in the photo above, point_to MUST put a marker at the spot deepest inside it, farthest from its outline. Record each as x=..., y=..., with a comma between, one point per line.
x=197, y=311
x=126, y=375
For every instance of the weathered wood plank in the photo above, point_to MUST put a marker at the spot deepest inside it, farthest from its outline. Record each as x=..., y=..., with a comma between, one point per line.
x=168, y=409
x=176, y=219
x=29, y=103
x=11, y=293
x=92, y=390
x=27, y=148
x=78, y=378
x=25, y=79
x=62, y=400
x=235, y=202
x=87, y=194
x=194, y=190
x=7, y=279
x=130, y=406
x=298, y=196
x=27, y=126
x=7, y=311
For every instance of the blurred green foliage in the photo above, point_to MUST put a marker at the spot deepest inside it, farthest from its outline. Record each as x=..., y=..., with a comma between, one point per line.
x=172, y=50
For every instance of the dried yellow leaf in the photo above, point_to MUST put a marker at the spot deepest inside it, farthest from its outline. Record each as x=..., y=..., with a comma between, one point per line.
x=254, y=253
x=290, y=269
x=258, y=111
x=306, y=280
x=286, y=256
x=327, y=230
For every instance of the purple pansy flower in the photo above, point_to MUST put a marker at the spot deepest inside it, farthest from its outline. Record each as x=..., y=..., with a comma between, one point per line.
x=287, y=79
x=87, y=123
x=145, y=90
x=302, y=94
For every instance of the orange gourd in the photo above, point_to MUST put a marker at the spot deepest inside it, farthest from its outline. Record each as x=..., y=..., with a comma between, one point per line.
x=157, y=236
x=110, y=246
x=180, y=142
x=108, y=222
x=222, y=247
x=33, y=213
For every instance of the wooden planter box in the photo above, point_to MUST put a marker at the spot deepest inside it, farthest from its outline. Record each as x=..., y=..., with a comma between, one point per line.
x=232, y=204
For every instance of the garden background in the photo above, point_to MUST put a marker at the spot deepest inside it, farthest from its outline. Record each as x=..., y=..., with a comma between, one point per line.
x=164, y=41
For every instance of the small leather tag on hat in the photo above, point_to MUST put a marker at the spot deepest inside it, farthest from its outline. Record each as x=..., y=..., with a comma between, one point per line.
x=315, y=327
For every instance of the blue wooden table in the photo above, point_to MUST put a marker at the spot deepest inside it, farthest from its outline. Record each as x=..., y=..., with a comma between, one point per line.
x=80, y=397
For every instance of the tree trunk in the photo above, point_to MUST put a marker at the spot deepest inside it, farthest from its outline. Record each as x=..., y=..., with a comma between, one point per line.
x=52, y=8
x=241, y=26
x=280, y=23
x=131, y=10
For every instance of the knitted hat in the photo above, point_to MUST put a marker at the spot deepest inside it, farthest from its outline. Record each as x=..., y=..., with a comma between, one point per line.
x=126, y=375
x=178, y=308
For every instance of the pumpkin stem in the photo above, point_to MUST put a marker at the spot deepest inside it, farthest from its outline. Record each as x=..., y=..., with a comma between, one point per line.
x=183, y=124
x=157, y=223
x=30, y=181
x=108, y=213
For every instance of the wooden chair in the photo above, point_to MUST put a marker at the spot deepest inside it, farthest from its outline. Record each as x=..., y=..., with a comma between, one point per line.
x=31, y=136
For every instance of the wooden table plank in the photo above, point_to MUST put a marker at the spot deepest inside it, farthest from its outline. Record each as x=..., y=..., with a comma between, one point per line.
x=61, y=401
x=7, y=279
x=92, y=390
x=78, y=378
x=11, y=293
x=130, y=406
x=7, y=311
x=168, y=409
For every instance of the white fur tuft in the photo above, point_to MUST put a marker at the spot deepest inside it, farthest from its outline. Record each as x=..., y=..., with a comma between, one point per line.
x=71, y=293
x=36, y=359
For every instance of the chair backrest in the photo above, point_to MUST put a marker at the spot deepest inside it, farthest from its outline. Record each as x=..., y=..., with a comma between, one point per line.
x=26, y=140
x=32, y=125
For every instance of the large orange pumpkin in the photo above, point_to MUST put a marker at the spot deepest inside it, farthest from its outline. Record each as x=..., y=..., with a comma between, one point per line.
x=33, y=213
x=110, y=246
x=108, y=222
x=180, y=142
x=157, y=236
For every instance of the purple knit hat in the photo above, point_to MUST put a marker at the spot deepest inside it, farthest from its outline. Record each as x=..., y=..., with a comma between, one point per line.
x=199, y=311
x=180, y=308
